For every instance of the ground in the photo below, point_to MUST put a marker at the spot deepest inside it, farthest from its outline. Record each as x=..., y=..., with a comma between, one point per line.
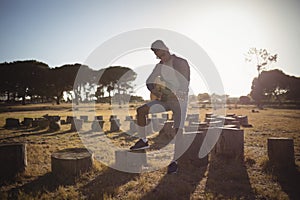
x=253, y=178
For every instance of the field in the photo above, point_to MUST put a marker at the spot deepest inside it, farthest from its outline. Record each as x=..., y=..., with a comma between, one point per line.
x=220, y=179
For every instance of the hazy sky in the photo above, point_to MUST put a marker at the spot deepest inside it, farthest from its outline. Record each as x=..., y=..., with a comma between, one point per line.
x=67, y=31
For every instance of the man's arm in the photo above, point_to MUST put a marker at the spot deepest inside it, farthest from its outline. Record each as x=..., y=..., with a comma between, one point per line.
x=182, y=66
x=150, y=82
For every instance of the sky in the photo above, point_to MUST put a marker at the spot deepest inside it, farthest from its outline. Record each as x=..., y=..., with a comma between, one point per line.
x=59, y=32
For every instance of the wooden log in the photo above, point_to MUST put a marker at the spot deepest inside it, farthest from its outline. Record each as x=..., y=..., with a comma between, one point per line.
x=12, y=123
x=130, y=161
x=281, y=151
x=68, y=164
x=13, y=159
x=230, y=144
x=191, y=155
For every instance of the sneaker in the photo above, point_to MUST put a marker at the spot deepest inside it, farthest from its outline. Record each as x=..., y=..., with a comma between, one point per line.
x=139, y=145
x=173, y=168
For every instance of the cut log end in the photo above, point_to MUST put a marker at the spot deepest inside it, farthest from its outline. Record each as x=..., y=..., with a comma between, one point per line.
x=69, y=164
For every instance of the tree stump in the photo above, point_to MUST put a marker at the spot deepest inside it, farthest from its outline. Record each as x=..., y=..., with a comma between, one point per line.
x=70, y=119
x=54, y=126
x=165, y=116
x=114, y=125
x=230, y=144
x=149, y=127
x=281, y=151
x=76, y=124
x=13, y=159
x=215, y=123
x=68, y=164
x=191, y=155
x=27, y=122
x=130, y=161
x=100, y=117
x=97, y=125
x=12, y=123
x=168, y=129
x=209, y=115
x=84, y=118
x=128, y=118
x=243, y=121
x=155, y=124
x=132, y=126
x=43, y=123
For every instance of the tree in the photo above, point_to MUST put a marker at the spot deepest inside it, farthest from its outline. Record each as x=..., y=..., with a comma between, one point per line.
x=275, y=85
x=244, y=100
x=61, y=79
x=117, y=79
x=23, y=78
x=261, y=57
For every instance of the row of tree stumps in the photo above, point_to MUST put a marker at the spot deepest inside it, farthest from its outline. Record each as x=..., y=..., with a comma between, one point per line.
x=68, y=164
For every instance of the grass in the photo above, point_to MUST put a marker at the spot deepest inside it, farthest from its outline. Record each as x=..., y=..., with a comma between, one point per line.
x=254, y=178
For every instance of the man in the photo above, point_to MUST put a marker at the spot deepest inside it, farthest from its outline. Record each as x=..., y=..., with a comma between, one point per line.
x=173, y=96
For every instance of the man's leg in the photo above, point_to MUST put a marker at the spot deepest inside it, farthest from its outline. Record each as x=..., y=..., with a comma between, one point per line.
x=142, y=113
x=179, y=114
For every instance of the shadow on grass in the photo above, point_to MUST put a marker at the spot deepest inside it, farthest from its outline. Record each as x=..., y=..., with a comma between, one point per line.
x=106, y=183
x=228, y=178
x=37, y=132
x=181, y=185
x=45, y=183
x=287, y=177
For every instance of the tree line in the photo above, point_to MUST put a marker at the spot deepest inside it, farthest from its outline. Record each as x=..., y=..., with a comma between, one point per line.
x=271, y=85
x=275, y=86
x=36, y=80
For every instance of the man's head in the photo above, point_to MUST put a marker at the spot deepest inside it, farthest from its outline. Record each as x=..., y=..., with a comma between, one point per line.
x=160, y=50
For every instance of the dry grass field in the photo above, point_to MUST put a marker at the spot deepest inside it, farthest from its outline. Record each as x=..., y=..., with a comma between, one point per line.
x=220, y=179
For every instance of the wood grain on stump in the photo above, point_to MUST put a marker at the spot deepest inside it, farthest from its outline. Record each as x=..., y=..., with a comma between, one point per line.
x=13, y=159
x=281, y=151
x=69, y=164
x=230, y=144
